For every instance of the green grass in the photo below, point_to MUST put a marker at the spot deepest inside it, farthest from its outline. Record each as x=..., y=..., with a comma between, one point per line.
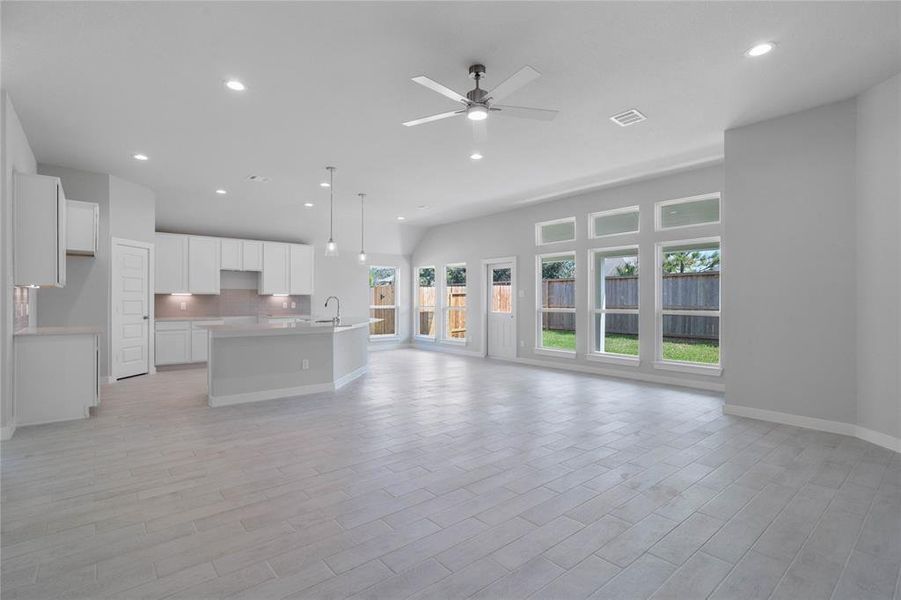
x=696, y=351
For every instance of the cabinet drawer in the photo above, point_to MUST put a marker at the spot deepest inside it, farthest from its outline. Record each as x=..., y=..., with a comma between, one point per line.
x=173, y=325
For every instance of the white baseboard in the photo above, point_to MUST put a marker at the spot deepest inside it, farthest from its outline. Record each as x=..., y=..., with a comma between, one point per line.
x=447, y=348
x=7, y=432
x=711, y=386
x=390, y=345
x=868, y=435
x=303, y=390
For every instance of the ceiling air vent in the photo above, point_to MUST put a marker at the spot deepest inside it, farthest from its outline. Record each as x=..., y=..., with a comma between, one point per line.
x=629, y=117
x=257, y=179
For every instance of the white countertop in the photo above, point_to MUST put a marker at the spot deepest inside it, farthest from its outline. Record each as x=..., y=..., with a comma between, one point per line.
x=226, y=317
x=301, y=328
x=58, y=331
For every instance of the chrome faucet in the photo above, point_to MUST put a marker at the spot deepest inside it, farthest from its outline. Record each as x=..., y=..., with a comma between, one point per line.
x=337, y=319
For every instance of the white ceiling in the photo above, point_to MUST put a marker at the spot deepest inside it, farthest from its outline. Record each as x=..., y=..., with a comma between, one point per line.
x=329, y=83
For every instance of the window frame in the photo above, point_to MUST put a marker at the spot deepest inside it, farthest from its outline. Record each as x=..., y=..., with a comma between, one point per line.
x=540, y=310
x=396, y=334
x=446, y=308
x=593, y=235
x=611, y=357
x=417, y=306
x=678, y=365
x=540, y=242
x=658, y=222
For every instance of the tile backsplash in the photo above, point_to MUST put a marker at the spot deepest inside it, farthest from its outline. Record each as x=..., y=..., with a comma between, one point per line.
x=229, y=303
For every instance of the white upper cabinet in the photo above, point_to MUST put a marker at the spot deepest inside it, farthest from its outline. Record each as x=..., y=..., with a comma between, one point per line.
x=301, y=271
x=231, y=254
x=253, y=255
x=82, y=222
x=171, y=258
x=203, y=265
x=39, y=255
x=275, y=277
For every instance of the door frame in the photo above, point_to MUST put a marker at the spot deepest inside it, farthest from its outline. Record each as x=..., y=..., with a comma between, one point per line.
x=514, y=297
x=114, y=336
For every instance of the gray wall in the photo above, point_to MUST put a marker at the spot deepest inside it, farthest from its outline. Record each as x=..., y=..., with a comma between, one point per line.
x=879, y=250
x=15, y=155
x=513, y=234
x=133, y=211
x=790, y=185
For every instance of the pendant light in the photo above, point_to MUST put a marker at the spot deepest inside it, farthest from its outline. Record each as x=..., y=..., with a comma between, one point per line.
x=362, y=256
x=331, y=248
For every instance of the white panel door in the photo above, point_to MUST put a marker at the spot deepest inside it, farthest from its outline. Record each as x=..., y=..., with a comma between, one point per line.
x=131, y=299
x=501, y=310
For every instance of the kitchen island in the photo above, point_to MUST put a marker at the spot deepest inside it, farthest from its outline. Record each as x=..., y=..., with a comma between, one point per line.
x=265, y=361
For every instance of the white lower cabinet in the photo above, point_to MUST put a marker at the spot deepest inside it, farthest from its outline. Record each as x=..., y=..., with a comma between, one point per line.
x=199, y=340
x=173, y=342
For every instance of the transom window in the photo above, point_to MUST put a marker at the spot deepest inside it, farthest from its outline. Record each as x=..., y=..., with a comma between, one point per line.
x=556, y=279
x=553, y=232
x=425, y=302
x=688, y=212
x=455, y=303
x=614, y=302
x=383, y=301
x=614, y=222
x=688, y=302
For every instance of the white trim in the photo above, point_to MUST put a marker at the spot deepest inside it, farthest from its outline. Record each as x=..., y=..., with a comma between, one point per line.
x=539, y=241
x=381, y=346
x=636, y=375
x=614, y=359
x=863, y=433
x=303, y=390
x=151, y=314
x=592, y=234
x=7, y=432
x=447, y=349
x=556, y=353
x=689, y=367
x=658, y=226
x=486, y=305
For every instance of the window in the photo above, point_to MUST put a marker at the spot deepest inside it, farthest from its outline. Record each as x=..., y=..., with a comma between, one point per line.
x=425, y=302
x=687, y=212
x=614, y=302
x=613, y=222
x=552, y=232
x=502, y=290
x=455, y=303
x=556, y=302
x=688, y=302
x=383, y=301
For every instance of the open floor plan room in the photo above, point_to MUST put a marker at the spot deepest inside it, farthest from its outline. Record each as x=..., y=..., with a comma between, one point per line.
x=556, y=300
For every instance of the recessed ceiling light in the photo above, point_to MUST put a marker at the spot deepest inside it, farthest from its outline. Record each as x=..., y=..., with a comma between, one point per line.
x=475, y=156
x=309, y=204
x=140, y=156
x=221, y=192
x=325, y=184
x=760, y=49
x=422, y=207
x=401, y=218
x=235, y=85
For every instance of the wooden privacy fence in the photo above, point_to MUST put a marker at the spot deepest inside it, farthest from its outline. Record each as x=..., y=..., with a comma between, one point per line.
x=681, y=291
x=456, y=319
x=383, y=295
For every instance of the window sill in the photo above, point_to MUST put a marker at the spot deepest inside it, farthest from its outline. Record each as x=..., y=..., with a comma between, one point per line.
x=711, y=371
x=628, y=361
x=383, y=338
x=454, y=342
x=424, y=338
x=555, y=353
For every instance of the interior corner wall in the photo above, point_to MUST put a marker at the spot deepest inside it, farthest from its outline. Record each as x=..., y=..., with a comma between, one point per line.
x=879, y=258
x=789, y=290
x=15, y=156
x=84, y=301
x=132, y=211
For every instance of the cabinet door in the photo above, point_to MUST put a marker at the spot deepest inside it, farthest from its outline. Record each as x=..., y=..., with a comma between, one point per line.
x=203, y=265
x=173, y=347
x=39, y=231
x=301, y=281
x=171, y=260
x=274, y=278
x=253, y=255
x=199, y=345
x=231, y=252
x=81, y=227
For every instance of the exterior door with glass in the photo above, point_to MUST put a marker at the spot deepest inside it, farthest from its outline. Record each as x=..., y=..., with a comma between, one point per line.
x=501, y=334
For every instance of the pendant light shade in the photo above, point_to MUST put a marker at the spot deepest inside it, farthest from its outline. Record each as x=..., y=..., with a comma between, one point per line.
x=331, y=248
x=361, y=257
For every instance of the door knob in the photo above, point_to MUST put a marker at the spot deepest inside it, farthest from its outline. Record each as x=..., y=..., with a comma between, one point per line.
x=146, y=317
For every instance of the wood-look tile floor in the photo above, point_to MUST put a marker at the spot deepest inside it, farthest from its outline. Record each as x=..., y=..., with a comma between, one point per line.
x=439, y=476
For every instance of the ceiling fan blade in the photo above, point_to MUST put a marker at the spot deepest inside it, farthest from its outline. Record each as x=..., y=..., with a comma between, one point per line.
x=441, y=89
x=431, y=118
x=524, y=112
x=513, y=83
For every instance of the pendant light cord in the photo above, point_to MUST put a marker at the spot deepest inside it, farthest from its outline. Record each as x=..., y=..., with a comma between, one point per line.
x=331, y=203
x=362, y=222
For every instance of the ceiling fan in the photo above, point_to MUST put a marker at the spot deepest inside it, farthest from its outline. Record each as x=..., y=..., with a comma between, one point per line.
x=479, y=103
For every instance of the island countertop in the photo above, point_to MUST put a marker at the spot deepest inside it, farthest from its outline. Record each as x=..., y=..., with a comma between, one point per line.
x=295, y=328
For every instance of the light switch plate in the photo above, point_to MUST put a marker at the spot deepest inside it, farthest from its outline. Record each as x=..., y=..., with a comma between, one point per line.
x=522, y=294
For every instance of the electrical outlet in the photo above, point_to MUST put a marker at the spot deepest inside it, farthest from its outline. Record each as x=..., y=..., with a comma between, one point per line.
x=284, y=305
x=522, y=293
x=294, y=305
x=305, y=364
x=183, y=306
